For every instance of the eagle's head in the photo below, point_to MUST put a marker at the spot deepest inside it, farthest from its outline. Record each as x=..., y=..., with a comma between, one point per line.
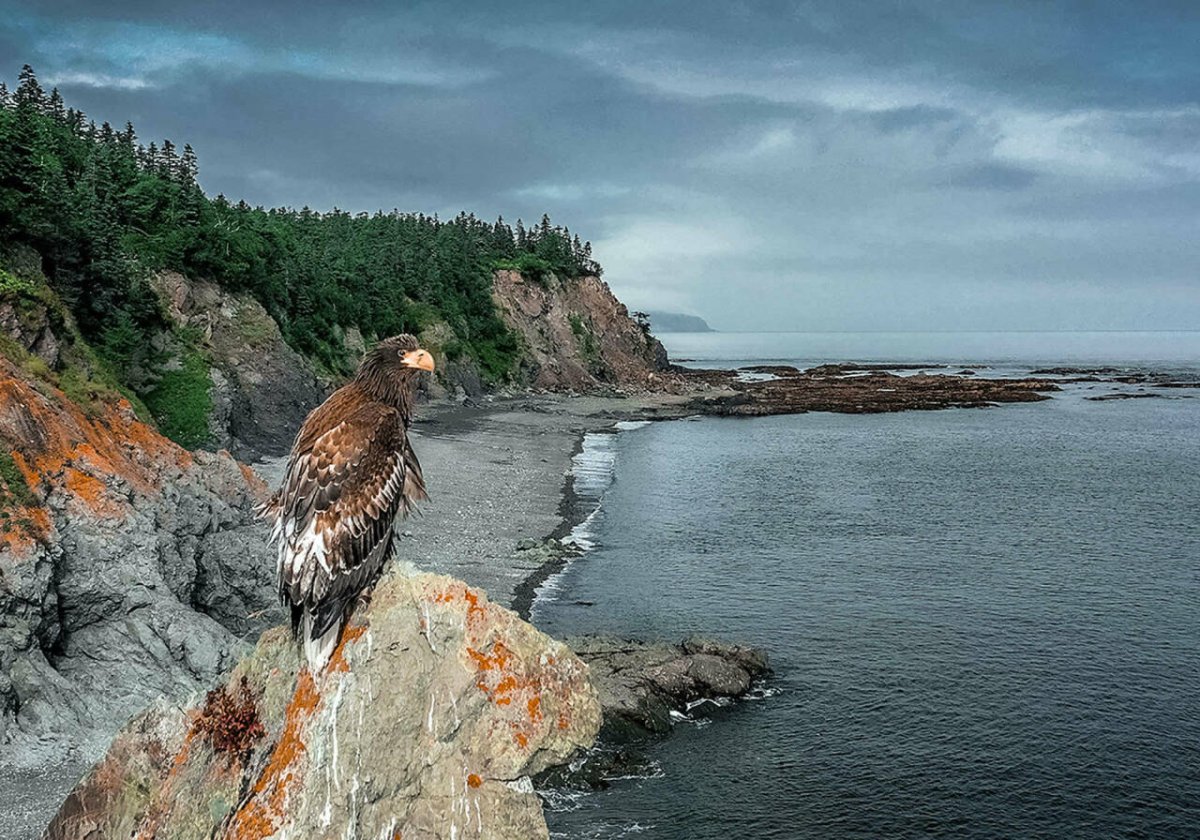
x=389, y=370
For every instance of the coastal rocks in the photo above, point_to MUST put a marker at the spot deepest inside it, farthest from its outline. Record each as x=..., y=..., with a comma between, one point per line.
x=129, y=568
x=642, y=683
x=30, y=325
x=856, y=389
x=434, y=712
x=1122, y=376
x=261, y=388
x=645, y=688
x=577, y=335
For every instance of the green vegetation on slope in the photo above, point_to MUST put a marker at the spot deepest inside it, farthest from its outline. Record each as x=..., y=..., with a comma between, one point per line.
x=104, y=211
x=13, y=489
x=79, y=373
x=181, y=401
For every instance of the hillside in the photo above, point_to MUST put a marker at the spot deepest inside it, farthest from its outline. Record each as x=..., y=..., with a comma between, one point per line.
x=129, y=567
x=171, y=287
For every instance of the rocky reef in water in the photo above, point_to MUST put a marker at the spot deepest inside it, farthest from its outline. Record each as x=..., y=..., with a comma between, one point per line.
x=435, y=712
x=852, y=389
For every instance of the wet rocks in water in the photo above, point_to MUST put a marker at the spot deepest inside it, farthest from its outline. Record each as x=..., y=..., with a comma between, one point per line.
x=432, y=715
x=644, y=688
x=1124, y=376
x=641, y=683
x=857, y=389
x=1125, y=395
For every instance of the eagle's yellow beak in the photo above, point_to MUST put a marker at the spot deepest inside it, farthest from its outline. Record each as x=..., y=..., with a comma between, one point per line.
x=419, y=359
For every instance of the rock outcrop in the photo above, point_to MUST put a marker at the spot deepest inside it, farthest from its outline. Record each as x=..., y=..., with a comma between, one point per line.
x=642, y=683
x=577, y=335
x=852, y=389
x=434, y=712
x=129, y=567
x=261, y=388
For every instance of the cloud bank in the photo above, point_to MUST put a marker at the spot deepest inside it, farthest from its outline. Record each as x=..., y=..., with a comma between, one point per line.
x=772, y=165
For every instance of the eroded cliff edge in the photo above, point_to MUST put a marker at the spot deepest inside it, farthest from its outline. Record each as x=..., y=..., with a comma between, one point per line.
x=577, y=336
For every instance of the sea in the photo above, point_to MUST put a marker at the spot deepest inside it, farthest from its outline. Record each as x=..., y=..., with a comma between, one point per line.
x=983, y=623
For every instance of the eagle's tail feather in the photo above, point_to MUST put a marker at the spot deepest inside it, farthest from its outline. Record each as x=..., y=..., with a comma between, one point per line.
x=318, y=649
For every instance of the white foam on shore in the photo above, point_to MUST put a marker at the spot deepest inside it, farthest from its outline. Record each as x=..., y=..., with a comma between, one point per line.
x=593, y=470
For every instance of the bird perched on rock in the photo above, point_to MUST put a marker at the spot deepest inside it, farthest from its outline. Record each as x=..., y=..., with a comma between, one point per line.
x=351, y=472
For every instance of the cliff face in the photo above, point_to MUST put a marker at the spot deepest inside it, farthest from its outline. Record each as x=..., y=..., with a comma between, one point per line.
x=261, y=388
x=577, y=335
x=129, y=567
x=432, y=715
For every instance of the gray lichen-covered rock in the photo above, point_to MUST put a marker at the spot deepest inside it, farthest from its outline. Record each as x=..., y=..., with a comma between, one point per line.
x=434, y=711
x=129, y=569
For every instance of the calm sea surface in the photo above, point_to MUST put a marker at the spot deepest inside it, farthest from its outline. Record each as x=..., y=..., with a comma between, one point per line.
x=984, y=623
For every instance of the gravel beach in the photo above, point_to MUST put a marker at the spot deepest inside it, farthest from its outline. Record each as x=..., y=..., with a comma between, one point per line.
x=496, y=475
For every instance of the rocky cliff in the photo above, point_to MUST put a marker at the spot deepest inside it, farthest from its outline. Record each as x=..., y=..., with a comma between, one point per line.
x=576, y=334
x=129, y=567
x=436, y=709
x=261, y=389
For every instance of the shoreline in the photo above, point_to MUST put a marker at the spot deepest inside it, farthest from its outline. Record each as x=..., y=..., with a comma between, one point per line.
x=525, y=594
x=501, y=486
x=512, y=552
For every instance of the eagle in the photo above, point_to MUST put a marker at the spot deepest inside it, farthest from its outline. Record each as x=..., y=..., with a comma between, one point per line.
x=351, y=472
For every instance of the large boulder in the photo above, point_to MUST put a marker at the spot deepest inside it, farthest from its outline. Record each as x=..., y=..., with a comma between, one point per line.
x=433, y=713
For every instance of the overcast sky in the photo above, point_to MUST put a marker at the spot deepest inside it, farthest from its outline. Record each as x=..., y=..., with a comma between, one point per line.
x=766, y=165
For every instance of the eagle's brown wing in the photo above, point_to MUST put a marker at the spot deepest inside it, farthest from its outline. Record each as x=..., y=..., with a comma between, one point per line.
x=351, y=472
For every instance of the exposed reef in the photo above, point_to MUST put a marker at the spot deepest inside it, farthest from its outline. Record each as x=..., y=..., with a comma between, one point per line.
x=852, y=389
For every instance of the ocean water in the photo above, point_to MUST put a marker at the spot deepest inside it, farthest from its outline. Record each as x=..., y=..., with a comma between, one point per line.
x=1165, y=349
x=983, y=623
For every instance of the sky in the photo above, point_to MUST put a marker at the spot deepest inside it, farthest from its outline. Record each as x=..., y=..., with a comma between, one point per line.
x=804, y=166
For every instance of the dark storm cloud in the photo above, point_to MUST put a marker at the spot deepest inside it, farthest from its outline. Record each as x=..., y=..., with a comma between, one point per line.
x=783, y=165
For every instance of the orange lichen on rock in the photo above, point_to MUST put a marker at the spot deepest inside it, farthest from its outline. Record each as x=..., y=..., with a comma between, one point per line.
x=259, y=817
x=150, y=823
x=255, y=482
x=337, y=660
x=91, y=491
x=64, y=446
x=22, y=535
x=502, y=676
x=473, y=780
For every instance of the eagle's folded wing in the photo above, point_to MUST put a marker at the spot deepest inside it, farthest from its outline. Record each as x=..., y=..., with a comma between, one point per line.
x=343, y=489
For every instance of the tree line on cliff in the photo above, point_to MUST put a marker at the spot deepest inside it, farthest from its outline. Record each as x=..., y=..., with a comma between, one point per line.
x=105, y=211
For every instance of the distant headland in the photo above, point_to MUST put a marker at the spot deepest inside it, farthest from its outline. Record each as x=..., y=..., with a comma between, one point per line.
x=665, y=322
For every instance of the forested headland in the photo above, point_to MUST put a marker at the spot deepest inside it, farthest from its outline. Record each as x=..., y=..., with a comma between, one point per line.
x=105, y=211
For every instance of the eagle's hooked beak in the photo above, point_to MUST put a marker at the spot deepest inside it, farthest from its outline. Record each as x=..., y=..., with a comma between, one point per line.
x=419, y=359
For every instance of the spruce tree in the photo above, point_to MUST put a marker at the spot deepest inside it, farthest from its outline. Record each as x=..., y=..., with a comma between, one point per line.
x=29, y=92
